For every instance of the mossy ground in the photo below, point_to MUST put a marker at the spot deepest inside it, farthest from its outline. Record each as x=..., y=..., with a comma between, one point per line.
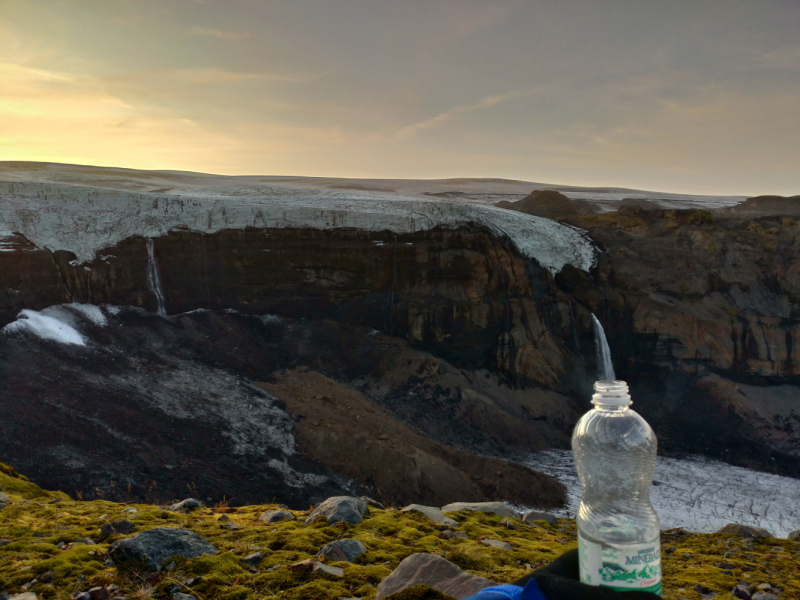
x=36, y=523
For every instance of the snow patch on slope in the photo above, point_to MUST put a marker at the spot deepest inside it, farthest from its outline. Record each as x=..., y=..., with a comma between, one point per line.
x=44, y=327
x=85, y=219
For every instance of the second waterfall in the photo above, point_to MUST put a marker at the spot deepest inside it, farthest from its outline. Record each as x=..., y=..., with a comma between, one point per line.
x=154, y=278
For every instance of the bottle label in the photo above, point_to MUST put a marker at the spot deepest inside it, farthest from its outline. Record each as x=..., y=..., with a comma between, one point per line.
x=623, y=568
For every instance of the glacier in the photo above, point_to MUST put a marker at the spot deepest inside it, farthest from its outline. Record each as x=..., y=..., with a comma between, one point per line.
x=85, y=219
x=696, y=493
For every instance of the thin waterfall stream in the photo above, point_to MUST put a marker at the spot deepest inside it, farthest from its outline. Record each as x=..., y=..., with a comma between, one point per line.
x=605, y=369
x=154, y=278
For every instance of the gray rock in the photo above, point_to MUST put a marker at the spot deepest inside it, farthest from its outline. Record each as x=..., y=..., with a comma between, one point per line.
x=340, y=508
x=497, y=544
x=794, y=535
x=342, y=550
x=116, y=527
x=230, y=525
x=764, y=596
x=433, y=571
x=131, y=510
x=4, y=497
x=741, y=592
x=82, y=596
x=745, y=531
x=3, y=505
x=5, y=543
x=276, y=516
x=187, y=504
x=182, y=596
x=25, y=596
x=498, y=508
x=508, y=524
x=335, y=571
x=253, y=559
x=371, y=502
x=86, y=541
x=455, y=535
x=535, y=515
x=155, y=546
x=434, y=514
x=48, y=577
x=99, y=593
x=704, y=591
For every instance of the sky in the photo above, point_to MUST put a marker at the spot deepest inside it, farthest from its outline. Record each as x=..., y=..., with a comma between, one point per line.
x=695, y=96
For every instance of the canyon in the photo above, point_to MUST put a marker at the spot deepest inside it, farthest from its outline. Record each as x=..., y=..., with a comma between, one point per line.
x=452, y=327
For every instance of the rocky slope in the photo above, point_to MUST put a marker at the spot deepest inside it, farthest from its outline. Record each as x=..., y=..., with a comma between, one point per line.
x=131, y=405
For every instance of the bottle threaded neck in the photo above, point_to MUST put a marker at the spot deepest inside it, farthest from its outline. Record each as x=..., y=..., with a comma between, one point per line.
x=611, y=393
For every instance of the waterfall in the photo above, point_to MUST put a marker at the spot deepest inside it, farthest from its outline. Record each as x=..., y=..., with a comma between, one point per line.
x=605, y=370
x=154, y=279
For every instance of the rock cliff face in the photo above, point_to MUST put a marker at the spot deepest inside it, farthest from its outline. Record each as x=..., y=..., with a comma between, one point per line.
x=702, y=312
x=465, y=294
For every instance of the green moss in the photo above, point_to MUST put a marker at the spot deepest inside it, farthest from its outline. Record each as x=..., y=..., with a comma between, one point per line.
x=389, y=535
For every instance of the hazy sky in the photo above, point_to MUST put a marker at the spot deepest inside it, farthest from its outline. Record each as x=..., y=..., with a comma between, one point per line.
x=689, y=96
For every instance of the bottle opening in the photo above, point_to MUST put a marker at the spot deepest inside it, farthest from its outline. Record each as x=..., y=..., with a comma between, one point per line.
x=611, y=392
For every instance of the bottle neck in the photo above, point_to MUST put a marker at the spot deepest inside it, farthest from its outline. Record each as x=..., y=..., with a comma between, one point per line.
x=611, y=396
x=615, y=408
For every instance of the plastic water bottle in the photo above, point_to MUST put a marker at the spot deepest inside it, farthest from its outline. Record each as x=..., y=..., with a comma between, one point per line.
x=619, y=536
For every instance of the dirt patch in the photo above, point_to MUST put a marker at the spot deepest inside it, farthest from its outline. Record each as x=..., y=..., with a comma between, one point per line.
x=355, y=438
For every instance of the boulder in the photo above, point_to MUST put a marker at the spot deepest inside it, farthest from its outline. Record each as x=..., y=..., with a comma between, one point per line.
x=342, y=550
x=794, y=535
x=497, y=544
x=340, y=508
x=4, y=498
x=276, y=516
x=745, y=531
x=314, y=566
x=764, y=596
x=185, y=505
x=535, y=515
x=116, y=527
x=155, y=546
x=435, y=572
x=498, y=508
x=434, y=514
x=25, y=596
x=182, y=596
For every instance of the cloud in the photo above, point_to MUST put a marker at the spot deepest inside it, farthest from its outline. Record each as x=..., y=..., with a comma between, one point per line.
x=411, y=131
x=222, y=35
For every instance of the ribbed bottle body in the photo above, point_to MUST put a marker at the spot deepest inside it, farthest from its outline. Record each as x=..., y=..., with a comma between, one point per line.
x=619, y=532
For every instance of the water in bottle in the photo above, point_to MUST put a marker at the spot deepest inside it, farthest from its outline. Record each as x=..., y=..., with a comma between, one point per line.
x=619, y=537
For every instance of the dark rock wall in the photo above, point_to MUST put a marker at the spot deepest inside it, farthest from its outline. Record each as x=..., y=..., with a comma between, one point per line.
x=683, y=295
x=464, y=295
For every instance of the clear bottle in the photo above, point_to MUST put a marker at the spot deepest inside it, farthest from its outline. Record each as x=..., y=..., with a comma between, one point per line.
x=619, y=536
